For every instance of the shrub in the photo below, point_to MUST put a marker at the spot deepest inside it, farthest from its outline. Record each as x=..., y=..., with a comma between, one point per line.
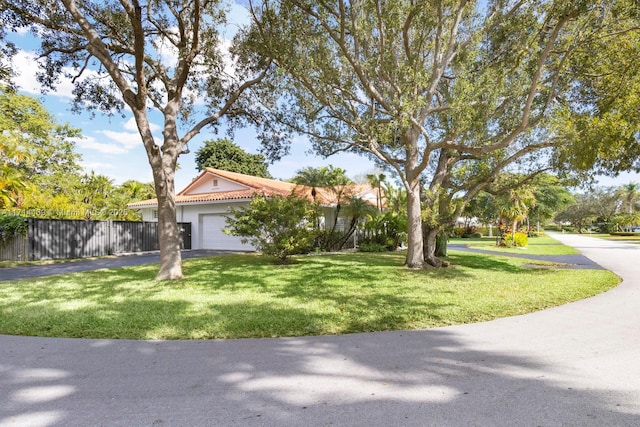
x=458, y=232
x=327, y=240
x=11, y=226
x=471, y=232
x=388, y=229
x=520, y=240
x=277, y=226
x=373, y=247
x=536, y=234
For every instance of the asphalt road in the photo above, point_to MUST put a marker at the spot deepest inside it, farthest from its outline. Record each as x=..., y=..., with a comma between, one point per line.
x=574, y=365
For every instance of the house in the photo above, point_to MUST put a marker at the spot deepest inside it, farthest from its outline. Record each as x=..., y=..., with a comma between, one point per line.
x=205, y=203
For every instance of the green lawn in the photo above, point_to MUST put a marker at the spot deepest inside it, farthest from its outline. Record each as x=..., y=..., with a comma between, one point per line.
x=234, y=296
x=536, y=246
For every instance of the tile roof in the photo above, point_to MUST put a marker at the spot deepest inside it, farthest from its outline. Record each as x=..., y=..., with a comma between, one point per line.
x=256, y=185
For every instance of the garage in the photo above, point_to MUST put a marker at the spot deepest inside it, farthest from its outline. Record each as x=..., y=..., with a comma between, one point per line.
x=211, y=226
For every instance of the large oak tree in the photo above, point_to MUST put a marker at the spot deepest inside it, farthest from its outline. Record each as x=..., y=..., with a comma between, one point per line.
x=447, y=93
x=161, y=57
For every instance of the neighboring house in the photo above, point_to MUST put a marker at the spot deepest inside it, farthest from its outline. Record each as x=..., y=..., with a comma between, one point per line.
x=206, y=201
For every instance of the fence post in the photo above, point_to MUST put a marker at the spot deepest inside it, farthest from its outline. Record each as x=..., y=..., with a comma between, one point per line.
x=109, y=237
x=31, y=241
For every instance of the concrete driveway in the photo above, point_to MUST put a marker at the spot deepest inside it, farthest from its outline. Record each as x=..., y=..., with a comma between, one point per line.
x=574, y=365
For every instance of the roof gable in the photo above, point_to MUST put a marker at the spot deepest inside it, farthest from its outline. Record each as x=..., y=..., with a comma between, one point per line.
x=210, y=182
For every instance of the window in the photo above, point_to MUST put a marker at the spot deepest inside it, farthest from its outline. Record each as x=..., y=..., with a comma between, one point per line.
x=154, y=214
x=215, y=183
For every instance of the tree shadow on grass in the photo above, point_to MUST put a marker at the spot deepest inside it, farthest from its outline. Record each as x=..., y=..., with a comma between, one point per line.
x=248, y=297
x=484, y=262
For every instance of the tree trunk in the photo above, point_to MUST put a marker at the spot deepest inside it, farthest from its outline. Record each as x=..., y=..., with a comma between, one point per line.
x=441, y=244
x=430, y=243
x=415, y=250
x=168, y=232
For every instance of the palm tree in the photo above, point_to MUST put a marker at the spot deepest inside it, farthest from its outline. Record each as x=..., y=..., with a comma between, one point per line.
x=376, y=182
x=515, y=205
x=356, y=209
x=95, y=191
x=12, y=179
x=137, y=190
x=630, y=193
x=396, y=197
x=12, y=183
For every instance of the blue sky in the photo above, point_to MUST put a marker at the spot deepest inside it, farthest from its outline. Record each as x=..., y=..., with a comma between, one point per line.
x=112, y=146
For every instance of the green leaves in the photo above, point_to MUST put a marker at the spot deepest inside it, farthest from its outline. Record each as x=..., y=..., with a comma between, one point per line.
x=324, y=176
x=276, y=226
x=224, y=154
x=10, y=226
x=32, y=146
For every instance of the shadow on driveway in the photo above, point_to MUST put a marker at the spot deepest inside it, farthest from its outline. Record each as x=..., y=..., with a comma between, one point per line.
x=31, y=271
x=574, y=262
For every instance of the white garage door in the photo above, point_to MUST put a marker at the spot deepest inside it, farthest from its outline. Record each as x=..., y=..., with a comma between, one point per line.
x=213, y=237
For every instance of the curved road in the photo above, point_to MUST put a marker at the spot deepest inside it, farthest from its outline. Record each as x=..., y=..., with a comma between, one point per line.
x=574, y=365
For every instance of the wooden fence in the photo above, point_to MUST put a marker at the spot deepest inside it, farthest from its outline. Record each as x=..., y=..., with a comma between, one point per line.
x=57, y=239
x=15, y=249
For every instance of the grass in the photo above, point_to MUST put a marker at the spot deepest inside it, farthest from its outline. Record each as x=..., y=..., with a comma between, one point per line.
x=236, y=296
x=536, y=246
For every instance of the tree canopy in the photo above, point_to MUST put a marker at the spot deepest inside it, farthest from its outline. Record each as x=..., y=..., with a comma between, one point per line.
x=604, y=119
x=33, y=147
x=447, y=94
x=224, y=154
x=165, y=59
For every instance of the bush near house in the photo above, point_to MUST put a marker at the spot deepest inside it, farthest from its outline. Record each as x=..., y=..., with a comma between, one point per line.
x=276, y=226
x=384, y=230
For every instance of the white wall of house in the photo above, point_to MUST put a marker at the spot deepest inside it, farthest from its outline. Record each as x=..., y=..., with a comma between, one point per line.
x=207, y=222
x=213, y=184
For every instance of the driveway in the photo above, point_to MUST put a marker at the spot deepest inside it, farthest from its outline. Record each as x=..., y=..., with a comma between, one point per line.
x=76, y=266
x=574, y=261
x=574, y=365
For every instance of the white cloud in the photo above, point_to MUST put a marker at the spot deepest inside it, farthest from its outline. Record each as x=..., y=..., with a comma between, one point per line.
x=119, y=172
x=167, y=52
x=27, y=64
x=111, y=142
x=127, y=140
x=131, y=126
x=90, y=143
x=96, y=166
